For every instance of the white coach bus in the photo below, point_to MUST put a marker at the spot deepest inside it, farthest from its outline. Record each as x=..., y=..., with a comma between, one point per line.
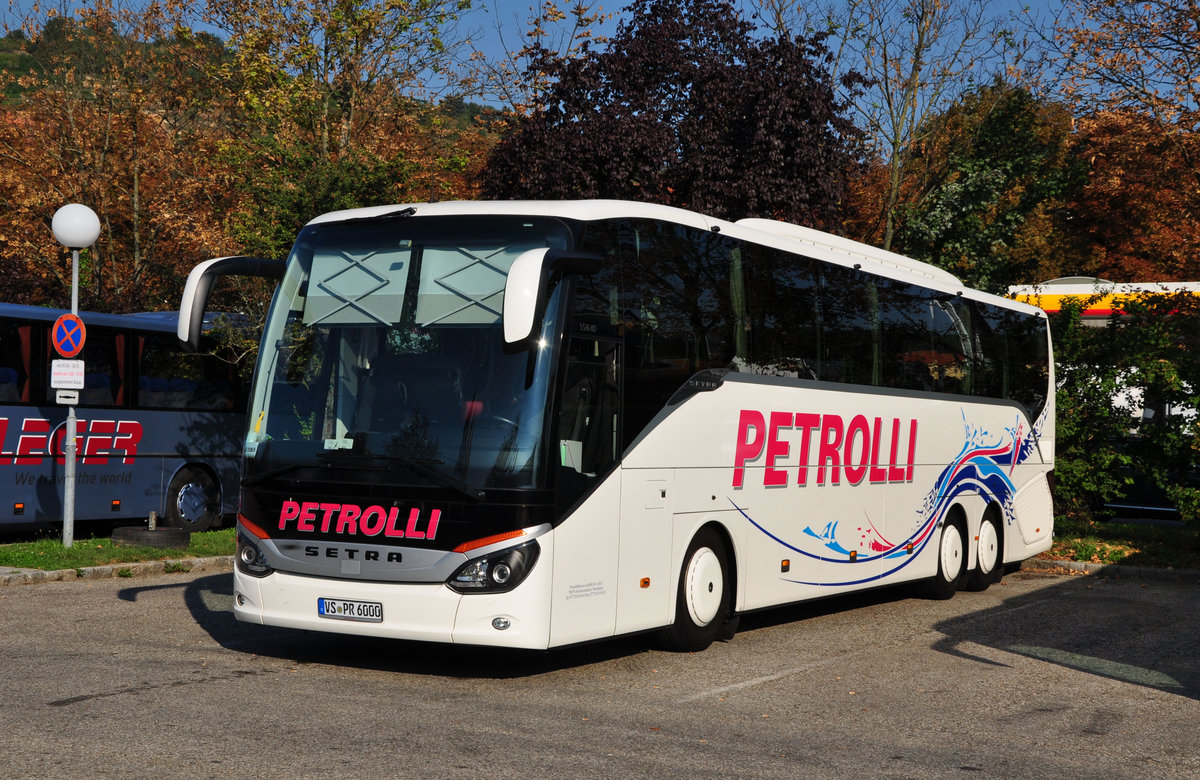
x=534, y=424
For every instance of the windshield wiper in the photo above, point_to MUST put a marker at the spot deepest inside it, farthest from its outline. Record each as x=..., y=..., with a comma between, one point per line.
x=421, y=466
x=407, y=211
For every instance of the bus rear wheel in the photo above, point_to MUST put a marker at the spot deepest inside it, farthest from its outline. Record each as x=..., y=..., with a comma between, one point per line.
x=952, y=562
x=704, y=599
x=193, y=501
x=990, y=567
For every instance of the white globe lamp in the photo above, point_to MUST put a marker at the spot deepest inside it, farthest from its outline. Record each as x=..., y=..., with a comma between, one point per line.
x=75, y=226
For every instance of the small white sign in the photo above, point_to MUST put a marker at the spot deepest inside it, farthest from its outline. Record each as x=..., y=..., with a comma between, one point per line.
x=67, y=397
x=66, y=374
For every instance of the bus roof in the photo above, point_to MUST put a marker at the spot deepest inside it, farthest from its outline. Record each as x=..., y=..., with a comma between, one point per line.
x=150, y=321
x=767, y=232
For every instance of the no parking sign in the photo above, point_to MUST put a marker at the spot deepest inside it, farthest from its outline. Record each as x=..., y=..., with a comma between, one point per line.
x=69, y=335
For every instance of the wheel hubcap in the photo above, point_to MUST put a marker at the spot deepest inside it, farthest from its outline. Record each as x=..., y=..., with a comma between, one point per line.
x=952, y=553
x=705, y=586
x=192, y=502
x=989, y=547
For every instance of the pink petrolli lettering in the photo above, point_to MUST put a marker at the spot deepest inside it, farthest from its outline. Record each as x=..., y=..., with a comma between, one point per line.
x=327, y=513
x=830, y=452
x=856, y=468
x=912, y=448
x=751, y=434
x=308, y=514
x=392, y=530
x=777, y=448
x=410, y=530
x=288, y=512
x=895, y=471
x=373, y=521
x=806, y=422
x=347, y=522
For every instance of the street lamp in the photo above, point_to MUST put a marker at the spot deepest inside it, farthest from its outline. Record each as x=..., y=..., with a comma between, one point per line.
x=76, y=227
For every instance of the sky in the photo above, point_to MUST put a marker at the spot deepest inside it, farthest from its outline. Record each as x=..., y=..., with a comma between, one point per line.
x=497, y=25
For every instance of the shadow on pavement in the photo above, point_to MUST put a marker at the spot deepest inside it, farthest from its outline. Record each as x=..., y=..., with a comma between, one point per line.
x=1134, y=631
x=1144, y=633
x=210, y=601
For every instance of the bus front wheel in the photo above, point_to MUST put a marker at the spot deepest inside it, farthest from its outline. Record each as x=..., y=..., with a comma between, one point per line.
x=952, y=562
x=704, y=598
x=193, y=501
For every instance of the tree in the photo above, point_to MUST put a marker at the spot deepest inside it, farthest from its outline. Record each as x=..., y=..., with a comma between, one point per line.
x=918, y=56
x=1133, y=54
x=684, y=107
x=1131, y=69
x=102, y=122
x=519, y=77
x=1144, y=358
x=1136, y=218
x=1091, y=466
x=327, y=107
x=995, y=189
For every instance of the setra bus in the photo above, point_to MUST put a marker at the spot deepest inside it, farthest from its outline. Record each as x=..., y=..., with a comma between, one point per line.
x=534, y=424
x=159, y=430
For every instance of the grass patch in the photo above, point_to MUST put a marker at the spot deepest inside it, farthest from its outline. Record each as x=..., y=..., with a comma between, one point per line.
x=49, y=554
x=1129, y=544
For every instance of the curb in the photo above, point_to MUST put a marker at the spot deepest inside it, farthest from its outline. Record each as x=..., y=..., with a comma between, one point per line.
x=11, y=576
x=1112, y=571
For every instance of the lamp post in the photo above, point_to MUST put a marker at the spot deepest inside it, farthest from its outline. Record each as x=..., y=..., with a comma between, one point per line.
x=76, y=227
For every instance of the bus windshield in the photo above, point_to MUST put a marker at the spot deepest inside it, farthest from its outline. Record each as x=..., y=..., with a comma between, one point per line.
x=385, y=359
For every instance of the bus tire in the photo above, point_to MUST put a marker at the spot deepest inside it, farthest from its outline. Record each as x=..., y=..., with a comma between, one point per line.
x=952, y=562
x=193, y=500
x=704, y=598
x=989, y=565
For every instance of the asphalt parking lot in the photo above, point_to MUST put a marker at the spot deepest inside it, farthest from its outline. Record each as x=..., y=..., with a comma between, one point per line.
x=1041, y=676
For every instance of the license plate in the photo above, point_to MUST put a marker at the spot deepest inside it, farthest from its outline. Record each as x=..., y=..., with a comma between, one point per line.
x=345, y=609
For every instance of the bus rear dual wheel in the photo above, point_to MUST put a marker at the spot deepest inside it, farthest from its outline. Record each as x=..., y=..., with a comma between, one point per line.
x=952, y=574
x=704, y=598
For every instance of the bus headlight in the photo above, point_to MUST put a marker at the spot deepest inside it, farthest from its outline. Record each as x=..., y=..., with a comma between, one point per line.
x=496, y=573
x=250, y=559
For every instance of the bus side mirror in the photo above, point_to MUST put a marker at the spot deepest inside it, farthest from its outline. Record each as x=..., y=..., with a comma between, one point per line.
x=525, y=288
x=522, y=291
x=194, y=302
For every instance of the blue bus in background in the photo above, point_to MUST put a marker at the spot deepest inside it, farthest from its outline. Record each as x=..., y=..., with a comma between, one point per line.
x=159, y=429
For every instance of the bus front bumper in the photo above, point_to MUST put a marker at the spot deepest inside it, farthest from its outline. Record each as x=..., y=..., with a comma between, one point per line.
x=420, y=612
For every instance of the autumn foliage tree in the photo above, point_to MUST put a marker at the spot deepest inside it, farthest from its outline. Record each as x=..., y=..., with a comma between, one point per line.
x=685, y=107
x=101, y=121
x=1137, y=218
x=990, y=196
x=328, y=107
x=189, y=146
x=1131, y=68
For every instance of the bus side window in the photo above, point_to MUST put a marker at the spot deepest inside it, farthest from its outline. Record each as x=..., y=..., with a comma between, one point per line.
x=14, y=362
x=587, y=424
x=104, y=357
x=8, y=385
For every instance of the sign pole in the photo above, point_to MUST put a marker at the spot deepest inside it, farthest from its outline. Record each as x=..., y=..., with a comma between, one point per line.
x=68, y=532
x=75, y=226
